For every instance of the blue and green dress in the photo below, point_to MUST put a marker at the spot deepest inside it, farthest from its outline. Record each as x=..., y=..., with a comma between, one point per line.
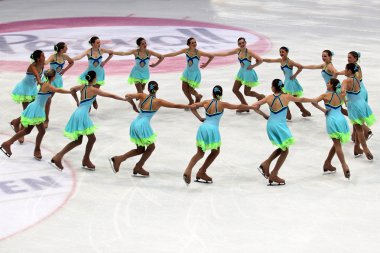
x=34, y=114
x=57, y=66
x=359, y=111
x=363, y=89
x=141, y=132
x=26, y=90
x=192, y=73
x=336, y=124
x=326, y=75
x=80, y=122
x=245, y=76
x=291, y=87
x=140, y=72
x=208, y=135
x=277, y=129
x=94, y=64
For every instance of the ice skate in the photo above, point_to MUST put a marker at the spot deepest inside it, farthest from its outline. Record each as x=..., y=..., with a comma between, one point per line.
x=329, y=169
x=57, y=165
x=358, y=152
x=88, y=165
x=306, y=113
x=276, y=181
x=262, y=172
x=6, y=149
x=114, y=167
x=37, y=155
x=202, y=177
x=187, y=179
x=140, y=171
x=347, y=174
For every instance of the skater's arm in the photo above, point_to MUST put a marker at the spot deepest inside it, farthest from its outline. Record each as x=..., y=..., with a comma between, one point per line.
x=50, y=59
x=80, y=56
x=320, y=66
x=258, y=59
x=133, y=51
x=227, y=53
x=340, y=73
x=300, y=100
x=159, y=56
x=259, y=103
x=271, y=60
x=168, y=104
x=70, y=61
x=332, y=70
x=74, y=90
x=107, y=94
x=58, y=90
x=316, y=105
x=210, y=57
x=107, y=60
x=182, y=51
x=235, y=107
x=35, y=73
x=135, y=95
x=299, y=69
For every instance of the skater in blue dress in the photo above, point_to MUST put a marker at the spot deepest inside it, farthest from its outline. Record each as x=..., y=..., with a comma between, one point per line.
x=208, y=135
x=277, y=129
x=57, y=62
x=191, y=76
x=353, y=57
x=328, y=69
x=336, y=125
x=359, y=111
x=80, y=123
x=291, y=84
x=95, y=63
x=140, y=75
x=141, y=133
x=26, y=90
x=34, y=116
x=246, y=76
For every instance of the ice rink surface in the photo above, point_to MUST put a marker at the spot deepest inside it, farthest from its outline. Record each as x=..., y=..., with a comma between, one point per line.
x=42, y=210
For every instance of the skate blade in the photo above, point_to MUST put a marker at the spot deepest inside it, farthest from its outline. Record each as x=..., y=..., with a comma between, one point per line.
x=111, y=163
x=5, y=152
x=202, y=181
x=87, y=168
x=139, y=175
x=358, y=155
x=260, y=169
x=38, y=158
x=55, y=166
x=275, y=184
x=328, y=172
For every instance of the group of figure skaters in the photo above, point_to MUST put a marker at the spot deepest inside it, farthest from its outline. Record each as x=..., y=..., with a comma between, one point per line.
x=36, y=104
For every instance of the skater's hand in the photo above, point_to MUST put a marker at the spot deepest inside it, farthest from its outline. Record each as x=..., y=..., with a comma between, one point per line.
x=250, y=67
x=327, y=112
x=203, y=65
x=293, y=77
x=202, y=119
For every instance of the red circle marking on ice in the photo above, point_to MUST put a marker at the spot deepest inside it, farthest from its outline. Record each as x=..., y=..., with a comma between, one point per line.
x=175, y=64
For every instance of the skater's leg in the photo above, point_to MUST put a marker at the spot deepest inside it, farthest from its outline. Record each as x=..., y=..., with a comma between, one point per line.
x=187, y=173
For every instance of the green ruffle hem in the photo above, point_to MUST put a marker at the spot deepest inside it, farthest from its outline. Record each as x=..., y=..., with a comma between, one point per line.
x=369, y=121
x=75, y=135
x=32, y=122
x=210, y=146
x=296, y=94
x=342, y=137
x=285, y=144
x=22, y=98
x=132, y=80
x=191, y=83
x=249, y=84
x=144, y=141
x=82, y=81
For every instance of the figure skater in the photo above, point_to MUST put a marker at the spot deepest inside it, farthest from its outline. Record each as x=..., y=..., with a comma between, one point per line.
x=277, y=129
x=291, y=85
x=141, y=132
x=208, y=136
x=80, y=124
x=57, y=62
x=34, y=116
x=140, y=75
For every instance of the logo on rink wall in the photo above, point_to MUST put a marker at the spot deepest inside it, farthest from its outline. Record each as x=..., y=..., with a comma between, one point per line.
x=19, y=39
x=30, y=190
